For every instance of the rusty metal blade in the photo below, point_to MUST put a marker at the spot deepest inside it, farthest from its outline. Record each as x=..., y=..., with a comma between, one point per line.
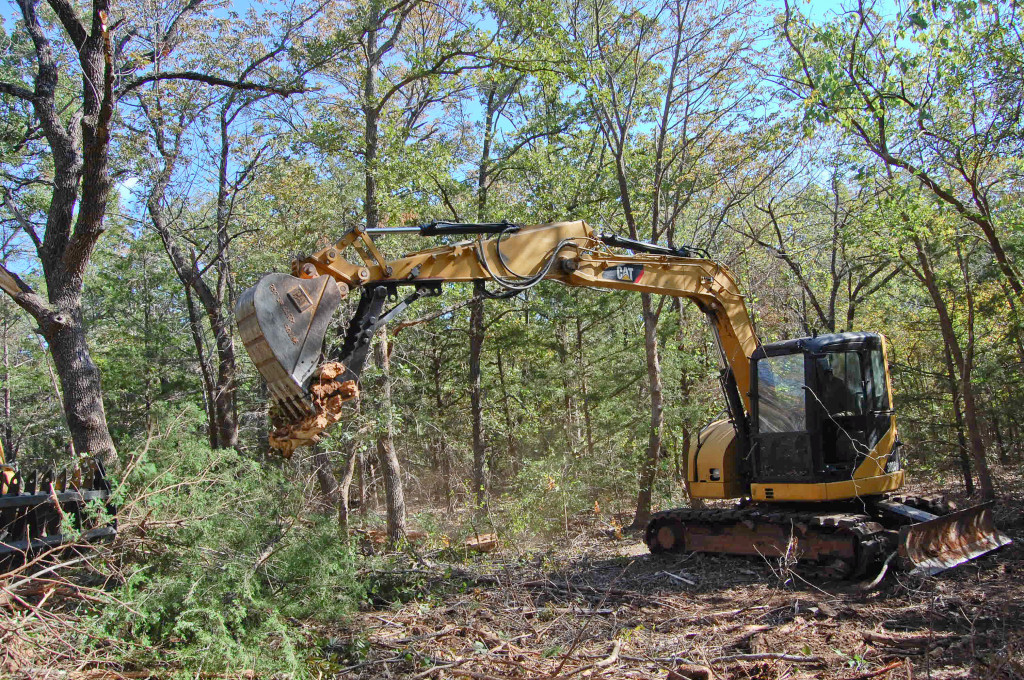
x=282, y=321
x=945, y=542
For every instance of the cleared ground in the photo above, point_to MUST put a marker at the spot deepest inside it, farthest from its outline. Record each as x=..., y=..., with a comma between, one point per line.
x=600, y=606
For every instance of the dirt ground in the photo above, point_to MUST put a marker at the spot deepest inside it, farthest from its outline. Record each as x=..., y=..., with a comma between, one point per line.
x=600, y=606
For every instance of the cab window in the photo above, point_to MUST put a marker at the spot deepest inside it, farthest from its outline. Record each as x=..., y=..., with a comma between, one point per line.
x=879, y=389
x=840, y=383
x=780, y=394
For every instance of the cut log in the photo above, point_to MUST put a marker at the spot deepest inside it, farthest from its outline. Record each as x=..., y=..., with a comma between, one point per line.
x=483, y=543
x=690, y=672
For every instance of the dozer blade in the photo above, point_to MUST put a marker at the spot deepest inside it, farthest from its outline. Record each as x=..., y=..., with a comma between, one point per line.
x=950, y=540
x=282, y=321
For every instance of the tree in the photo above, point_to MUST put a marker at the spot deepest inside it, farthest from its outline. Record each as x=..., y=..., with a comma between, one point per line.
x=677, y=71
x=905, y=104
x=815, y=230
x=66, y=168
x=248, y=141
x=898, y=86
x=403, y=60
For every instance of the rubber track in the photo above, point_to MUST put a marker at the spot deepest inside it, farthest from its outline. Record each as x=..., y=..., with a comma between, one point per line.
x=870, y=538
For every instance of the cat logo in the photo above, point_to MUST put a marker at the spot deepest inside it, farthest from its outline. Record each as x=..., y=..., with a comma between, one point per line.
x=624, y=272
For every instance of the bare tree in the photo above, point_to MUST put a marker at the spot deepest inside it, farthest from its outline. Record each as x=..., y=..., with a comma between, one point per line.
x=665, y=84
x=202, y=258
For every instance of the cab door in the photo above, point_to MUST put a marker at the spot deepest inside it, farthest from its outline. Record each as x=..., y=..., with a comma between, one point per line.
x=781, y=439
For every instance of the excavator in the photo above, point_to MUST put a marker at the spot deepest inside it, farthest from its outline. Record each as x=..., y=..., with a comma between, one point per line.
x=809, y=446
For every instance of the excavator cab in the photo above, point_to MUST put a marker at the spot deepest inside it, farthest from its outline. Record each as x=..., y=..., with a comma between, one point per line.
x=822, y=413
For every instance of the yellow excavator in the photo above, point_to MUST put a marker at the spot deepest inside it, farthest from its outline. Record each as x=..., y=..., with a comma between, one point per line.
x=809, y=448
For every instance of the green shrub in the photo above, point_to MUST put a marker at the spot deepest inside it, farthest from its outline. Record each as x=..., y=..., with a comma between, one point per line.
x=215, y=560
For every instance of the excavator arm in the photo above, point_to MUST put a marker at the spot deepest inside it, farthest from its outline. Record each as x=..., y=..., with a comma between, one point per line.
x=283, y=319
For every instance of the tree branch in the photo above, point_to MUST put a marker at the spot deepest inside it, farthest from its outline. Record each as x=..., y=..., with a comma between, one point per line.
x=69, y=20
x=25, y=297
x=23, y=222
x=16, y=91
x=210, y=80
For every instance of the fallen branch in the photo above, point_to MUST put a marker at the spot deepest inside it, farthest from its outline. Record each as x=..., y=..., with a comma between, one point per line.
x=679, y=578
x=613, y=657
x=795, y=658
x=873, y=674
x=864, y=587
x=603, y=663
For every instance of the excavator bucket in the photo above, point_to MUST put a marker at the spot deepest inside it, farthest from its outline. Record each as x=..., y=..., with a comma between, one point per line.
x=282, y=321
x=944, y=542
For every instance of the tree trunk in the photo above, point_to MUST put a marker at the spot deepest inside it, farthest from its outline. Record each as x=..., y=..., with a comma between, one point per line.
x=988, y=491
x=205, y=369
x=371, y=114
x=476, y=319
x=362, y=480
x=346, y=485
x=476, y=342
x=221, y=406
x=963, y=455
x=7, y=431
x=224, y=403
x=649, y=467
x=80, y=386
x=684, y=395
x=325, y=477
x=510, y=439
x=949, y=335
x=390, y=468
x=581, y=363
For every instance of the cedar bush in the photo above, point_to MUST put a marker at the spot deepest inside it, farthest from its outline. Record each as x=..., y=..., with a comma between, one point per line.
x=217, y=561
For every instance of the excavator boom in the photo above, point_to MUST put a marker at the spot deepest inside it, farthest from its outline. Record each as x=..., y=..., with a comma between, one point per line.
x=283, y=319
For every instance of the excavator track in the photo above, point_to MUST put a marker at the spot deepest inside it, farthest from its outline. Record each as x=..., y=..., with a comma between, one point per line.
x=845, y=545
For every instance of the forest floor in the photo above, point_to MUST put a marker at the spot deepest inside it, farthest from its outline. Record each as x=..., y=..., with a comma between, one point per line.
x=600, y=606
x=592, y=602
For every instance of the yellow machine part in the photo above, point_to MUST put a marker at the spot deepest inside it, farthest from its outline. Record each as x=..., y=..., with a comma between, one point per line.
x=712, y=463
x=869, y=479
x=7, y=473
x=712, y=472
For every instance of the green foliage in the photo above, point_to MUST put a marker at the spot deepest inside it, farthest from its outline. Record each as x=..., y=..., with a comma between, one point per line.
x=817, y=169
x=220, y=562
